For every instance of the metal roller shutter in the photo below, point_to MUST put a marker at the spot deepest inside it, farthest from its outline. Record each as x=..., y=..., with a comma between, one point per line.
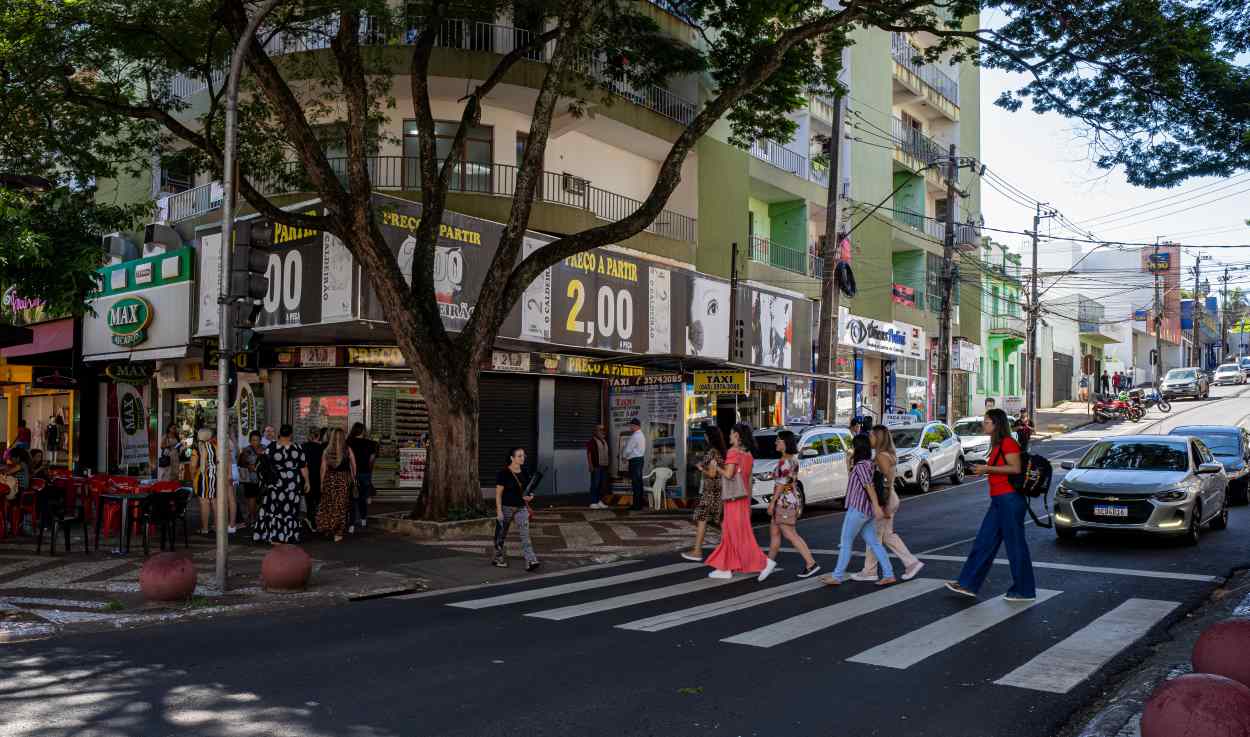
x=508, y=418
x=579, y=407
x=316, y=383
x=1062, y=385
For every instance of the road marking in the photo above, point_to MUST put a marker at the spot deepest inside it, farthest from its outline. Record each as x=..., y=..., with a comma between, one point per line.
x=717, y=608
x=1093, y=569
x=63, y=575
x=638, y=597
x=826, y=617
x=569, y=588
x=539, y=577
x=915, y=646
x=1061, y=667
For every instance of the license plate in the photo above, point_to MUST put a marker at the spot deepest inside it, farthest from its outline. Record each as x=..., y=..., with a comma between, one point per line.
x=1108, y=510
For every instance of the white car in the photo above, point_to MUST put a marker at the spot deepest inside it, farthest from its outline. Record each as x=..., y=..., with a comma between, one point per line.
x=972, y=437
x=1229, y=373
x=927, y=451
x=822, y=464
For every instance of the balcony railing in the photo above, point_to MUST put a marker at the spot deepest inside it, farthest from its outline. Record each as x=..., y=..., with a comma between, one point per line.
x=466, y=35
x=766, y=251
x=966, y=234
x=192, y=203
x=1003, y=323
x=790, y=161
x=905, y=54
x=917, y=145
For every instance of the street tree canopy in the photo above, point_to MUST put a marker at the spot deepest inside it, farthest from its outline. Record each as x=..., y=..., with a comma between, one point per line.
x=89, y=92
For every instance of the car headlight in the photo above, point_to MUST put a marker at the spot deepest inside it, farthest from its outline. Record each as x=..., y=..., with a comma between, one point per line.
x=764, y=476
x=979, y=448
x=1171, y=495
x=1064, y=492
x=907, y=457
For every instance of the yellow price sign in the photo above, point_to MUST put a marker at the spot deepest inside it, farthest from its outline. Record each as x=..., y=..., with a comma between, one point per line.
x=720, y=382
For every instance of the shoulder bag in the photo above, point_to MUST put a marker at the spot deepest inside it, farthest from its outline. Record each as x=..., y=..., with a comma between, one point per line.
x=733, y=487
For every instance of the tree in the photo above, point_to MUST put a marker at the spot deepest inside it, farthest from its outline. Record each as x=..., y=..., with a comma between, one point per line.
x=112, y=62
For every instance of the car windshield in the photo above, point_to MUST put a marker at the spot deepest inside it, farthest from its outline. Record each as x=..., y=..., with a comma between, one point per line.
x=1178, y=374
x=766, y=447
x=1220, y=443
x=965, y=429
x=1137, y=456
x=907, y=437
x=1228, y=368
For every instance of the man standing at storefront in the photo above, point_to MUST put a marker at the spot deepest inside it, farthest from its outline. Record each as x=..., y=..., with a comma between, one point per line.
x=366, y=453
x=634, y=453
x=598, y=458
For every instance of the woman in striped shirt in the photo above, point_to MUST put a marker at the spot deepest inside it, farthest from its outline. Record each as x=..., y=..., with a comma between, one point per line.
x=862, y=509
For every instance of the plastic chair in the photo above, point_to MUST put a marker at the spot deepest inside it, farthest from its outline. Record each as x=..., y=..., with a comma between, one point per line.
x=661, y=474
x=62, y=507
x=27, y=504
x=163, y=510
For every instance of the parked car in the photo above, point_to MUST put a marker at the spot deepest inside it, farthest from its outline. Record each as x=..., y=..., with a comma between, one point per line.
x=927, y=451
x=1244, y=363
x=972, y=438
x=1161, y=484
x=1185, y=382
x=1231, y=447
x=1229, y=373
x=822, y=464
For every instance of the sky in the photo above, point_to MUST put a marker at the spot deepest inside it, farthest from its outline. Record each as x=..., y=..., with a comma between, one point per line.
x=1045, y=158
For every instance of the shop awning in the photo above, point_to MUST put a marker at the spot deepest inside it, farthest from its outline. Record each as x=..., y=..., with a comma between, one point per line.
x=14, y=335
x=680, y=363
x=48, y=337
x=156, y=354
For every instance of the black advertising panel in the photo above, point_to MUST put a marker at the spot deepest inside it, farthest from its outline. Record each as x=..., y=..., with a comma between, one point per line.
x=294, y=296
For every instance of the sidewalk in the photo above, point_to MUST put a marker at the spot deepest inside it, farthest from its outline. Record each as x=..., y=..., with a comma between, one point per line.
x=1063, y=417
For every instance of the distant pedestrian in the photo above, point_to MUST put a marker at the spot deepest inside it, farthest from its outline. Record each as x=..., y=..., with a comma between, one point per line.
x=366, y=452
x=249, y=475
x=1115, y=382
x=313, y=448
x=1106, y=382
x=709, y=507
x=737, y=551
x=862, y=508
x=786, y=507
x=169, y=464
x=885, y=460
x=278, y=519
x=1024, y=430
x=269, y=437
x=1004, y=521
x=916, y=412
x=23, y=435
x=204, y=476
x=634, y=453
x=337, y=468
x=598, y=458
x=1083, y=389
x=990, y=404
x=512, y=499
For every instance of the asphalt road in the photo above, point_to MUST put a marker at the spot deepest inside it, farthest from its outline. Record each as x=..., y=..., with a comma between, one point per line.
x=653, y=648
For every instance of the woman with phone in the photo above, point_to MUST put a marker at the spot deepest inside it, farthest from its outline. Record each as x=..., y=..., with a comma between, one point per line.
x=512, y=498
x=737, y=551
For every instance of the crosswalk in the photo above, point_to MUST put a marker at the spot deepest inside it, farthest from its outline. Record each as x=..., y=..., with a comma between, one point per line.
x=1058, y=669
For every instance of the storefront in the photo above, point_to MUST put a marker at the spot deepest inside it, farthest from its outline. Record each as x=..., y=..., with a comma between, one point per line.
x=889, y=358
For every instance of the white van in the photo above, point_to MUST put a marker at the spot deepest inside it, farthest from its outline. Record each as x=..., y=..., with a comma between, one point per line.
x=822, y=464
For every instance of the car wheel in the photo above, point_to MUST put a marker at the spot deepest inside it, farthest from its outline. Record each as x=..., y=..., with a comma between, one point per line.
x=922, y=481
x=957, y=476
x=1221, y=520
x=1194, y=533
x=1065, y=533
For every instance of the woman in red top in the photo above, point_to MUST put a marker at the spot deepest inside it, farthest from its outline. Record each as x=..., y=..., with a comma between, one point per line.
x=1004, y=522
x=738, y=550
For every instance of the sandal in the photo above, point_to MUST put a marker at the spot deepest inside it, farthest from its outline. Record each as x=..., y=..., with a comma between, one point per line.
x=830, y=581
x=887, y=581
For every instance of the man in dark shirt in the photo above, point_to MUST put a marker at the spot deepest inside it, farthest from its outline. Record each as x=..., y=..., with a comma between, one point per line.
x=365, y=452
x=313, y=449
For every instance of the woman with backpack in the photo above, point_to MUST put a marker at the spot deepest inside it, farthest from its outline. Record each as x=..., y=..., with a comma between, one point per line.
x=1004, y=521
x=862, y=509
x=884, y=461
x=786, y=508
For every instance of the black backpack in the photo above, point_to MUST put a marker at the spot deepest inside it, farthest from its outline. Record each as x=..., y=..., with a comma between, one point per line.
x=1034, y=483
x=267, y=469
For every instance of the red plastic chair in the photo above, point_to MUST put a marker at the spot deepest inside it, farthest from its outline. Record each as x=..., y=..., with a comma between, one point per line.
x=27, y=504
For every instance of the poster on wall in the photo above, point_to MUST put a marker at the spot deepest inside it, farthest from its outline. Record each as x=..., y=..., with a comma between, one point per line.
x=798, y=401
x=208, y=283
x=250, y=409
x=659, y=408
x=536, y=301
x=772, y=329
x=707, y=328
x=132, y=418
x=336, y=280
x=660, y=311
x=411, y=468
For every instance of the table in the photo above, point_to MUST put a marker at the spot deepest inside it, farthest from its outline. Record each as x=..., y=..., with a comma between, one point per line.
x=124, y=499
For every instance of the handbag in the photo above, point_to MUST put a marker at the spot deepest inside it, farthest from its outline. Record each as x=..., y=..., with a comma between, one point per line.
x=878, y=485
x=786, y=515
x=733, y=488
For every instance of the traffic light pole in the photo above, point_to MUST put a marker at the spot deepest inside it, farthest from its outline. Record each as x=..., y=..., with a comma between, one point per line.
x=224, y=330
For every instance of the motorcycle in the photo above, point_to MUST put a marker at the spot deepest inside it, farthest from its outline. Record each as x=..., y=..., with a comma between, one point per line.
x=1153, y=399
x=1108, y=408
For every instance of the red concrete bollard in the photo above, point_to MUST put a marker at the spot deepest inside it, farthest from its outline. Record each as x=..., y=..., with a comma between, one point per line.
x=1224, y=649
x=286, y=568
x=1198, y=705
x=167, y=577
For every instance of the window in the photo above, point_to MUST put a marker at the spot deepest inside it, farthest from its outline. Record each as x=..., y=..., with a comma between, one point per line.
x=1139, y=456
x=944, y=432
x=932, y=434
x=980, y=375
x=474, y=168
x=994, y=375
x=1196, y=454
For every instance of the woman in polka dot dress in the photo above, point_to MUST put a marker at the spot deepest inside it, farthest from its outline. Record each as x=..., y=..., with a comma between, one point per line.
x=278, y=521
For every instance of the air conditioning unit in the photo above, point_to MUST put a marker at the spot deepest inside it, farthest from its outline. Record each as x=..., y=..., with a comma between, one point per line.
x=119, y=248
x=574, y=184
x=159, y=238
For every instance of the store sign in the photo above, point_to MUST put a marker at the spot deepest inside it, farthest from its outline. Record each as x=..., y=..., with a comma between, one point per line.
x=370, y=357
x=890, y=338
x=509, y=361
x=721, y=382
x=647, y=380
x=318, y=357
x=249, y=362
x=966, y=356
x=1159, y=262
x=128, y=319
x=130, y=373
x=18, y=310
x=894, y=419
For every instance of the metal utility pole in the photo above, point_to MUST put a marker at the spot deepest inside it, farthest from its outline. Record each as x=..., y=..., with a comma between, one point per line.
x=224, y=330
x=948, y=253
x=1224, y=316
x=830, y=295
x=1195, y=311
x=1158, y=319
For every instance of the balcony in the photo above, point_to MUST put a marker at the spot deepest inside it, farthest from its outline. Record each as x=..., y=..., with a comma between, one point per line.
x=1005, y=324
x=917, y=145
x=796, y=260
x=465, y=35
x=905, y=54
x=1095, y=333
x=789, y=161
x=967, y=236
x=190, y=204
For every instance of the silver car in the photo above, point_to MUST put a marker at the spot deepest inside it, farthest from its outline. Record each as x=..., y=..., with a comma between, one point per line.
x=1161, y=484
x=926, y=451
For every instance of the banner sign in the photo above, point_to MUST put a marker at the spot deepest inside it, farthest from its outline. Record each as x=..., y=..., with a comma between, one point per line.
x=142, y=309
x=893, y=419
x=887, y=337
x=799, y=401
x=721, y=382
x=133, y=419
x=904, y=295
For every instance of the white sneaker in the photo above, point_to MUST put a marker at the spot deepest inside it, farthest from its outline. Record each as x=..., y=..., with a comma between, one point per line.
x=769, y=567
x=861, y=576
x=231, y=530
x=598, y=505
x=720, y=574
x=364, y=523
x=693, y=557
x=910, y=572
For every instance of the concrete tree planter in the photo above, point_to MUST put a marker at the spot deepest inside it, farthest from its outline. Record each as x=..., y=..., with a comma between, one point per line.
x=398, y=522
x=1197, y=705
x=286, y=568
x=167, y=577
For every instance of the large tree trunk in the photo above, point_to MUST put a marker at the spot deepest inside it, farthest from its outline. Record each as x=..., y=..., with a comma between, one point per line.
x=451, y=480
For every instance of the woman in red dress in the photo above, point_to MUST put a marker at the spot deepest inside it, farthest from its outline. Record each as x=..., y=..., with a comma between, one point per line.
x=738, y=551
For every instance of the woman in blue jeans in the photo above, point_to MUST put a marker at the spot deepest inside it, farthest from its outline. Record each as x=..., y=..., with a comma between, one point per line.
x=1004, y=521
x=862, y=509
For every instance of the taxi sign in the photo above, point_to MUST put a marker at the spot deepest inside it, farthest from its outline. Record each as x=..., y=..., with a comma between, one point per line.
x=720, y=382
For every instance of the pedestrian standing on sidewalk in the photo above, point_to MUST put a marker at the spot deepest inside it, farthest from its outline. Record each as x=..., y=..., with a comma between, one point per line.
x=786, y=507
x=1004, y=521
x=709, y=494
x=249, y=478
x=278, y=521
x=597, y=460
x=512, y=500
x=1106, y=382
x=634, y=453
x=337, y=469
x=738, y=551
x=1024, y=430
x=204, y=476
x=313, y=450
x=990, y=404
x=885, y=461
x=862, y=508
x=366, y=452
x=169, y=463
x=269, y=437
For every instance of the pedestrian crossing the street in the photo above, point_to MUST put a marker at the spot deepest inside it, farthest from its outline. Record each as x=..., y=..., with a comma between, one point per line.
x=1060, y=667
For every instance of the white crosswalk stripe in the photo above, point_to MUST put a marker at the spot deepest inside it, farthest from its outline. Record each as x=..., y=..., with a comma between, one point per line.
x=915, y=646
x=1063, y=666
x=638, y=597
x=826, y=617
x=569, y=588
x=717, y=608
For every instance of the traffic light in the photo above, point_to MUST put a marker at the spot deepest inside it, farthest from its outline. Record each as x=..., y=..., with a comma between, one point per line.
x=232, y=384
x=249, y=266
